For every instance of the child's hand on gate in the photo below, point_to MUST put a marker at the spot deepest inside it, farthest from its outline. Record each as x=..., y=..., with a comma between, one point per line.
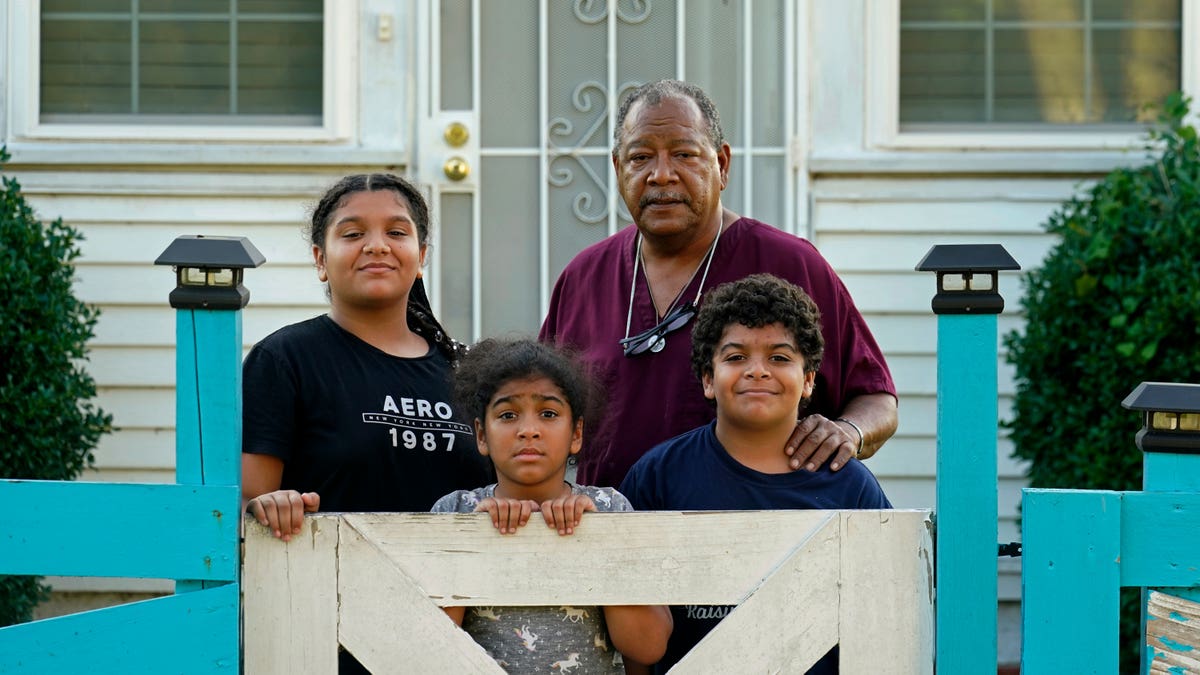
x=564, y=513
x=507, y=514
x=283, y=511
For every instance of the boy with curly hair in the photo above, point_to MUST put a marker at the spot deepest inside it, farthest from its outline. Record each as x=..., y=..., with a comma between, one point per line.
x=756, y=348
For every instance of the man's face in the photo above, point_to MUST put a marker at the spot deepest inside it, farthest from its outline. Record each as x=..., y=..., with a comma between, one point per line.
x=669, y=174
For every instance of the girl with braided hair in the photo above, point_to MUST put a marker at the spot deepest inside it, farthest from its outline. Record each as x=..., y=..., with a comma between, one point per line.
x=353, y=410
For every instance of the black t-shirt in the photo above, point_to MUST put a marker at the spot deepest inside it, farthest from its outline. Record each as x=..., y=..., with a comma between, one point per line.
x=366, y=430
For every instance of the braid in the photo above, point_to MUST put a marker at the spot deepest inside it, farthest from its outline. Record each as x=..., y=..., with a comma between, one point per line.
x=422, y=321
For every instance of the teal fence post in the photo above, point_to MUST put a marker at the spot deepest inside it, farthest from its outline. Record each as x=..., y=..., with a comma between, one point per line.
x=1170, y=443
x=208, y=299
x=966, y=305
x=186, y=531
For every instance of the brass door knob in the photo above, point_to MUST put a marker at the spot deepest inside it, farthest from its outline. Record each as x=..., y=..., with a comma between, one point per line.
x=456, y=168
x=456, y=134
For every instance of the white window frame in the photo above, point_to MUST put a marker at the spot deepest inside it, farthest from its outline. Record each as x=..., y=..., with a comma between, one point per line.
x=882, y=98
x=338, y=97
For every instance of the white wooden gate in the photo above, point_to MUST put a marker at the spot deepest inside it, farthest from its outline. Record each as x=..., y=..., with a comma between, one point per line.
x=804, y=581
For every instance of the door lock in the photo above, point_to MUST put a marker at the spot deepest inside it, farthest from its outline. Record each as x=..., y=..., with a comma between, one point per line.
x=456, y=168
x=456, y=134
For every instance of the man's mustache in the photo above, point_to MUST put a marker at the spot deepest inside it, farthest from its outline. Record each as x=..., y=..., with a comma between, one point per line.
x=649, y=199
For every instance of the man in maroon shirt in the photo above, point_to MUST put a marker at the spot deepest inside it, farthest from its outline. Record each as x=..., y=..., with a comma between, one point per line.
x=627, y=302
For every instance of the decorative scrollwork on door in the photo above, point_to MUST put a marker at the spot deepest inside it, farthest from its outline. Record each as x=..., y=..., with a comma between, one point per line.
x=595, y=11
x=590, y=97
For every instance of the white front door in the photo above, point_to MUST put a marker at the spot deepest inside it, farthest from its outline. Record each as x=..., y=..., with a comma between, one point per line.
x=535, y=84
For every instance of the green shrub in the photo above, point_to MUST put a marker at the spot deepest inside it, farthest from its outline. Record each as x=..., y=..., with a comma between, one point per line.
x=48, y=426
x=1115, y=303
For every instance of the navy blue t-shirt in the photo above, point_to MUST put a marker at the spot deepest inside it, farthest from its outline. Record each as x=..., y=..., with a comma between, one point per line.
x=694, y=472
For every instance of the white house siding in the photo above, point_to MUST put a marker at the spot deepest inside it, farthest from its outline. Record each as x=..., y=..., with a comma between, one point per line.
x=127, y=219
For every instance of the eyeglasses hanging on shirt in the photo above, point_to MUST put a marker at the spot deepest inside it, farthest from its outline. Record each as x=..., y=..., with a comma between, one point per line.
x=654, y=339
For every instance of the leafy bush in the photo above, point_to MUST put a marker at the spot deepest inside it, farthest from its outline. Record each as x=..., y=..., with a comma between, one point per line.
x=48, y=426
x=1116, y=303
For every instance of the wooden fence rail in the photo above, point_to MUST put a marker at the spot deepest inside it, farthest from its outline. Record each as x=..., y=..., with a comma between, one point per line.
x=804, y=581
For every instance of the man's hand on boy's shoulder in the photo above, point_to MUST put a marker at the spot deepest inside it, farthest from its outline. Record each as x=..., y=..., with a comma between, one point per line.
x=817, y=440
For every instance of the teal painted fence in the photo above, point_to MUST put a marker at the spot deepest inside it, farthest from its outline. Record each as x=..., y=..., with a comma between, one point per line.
x=187, y=531
x=966, y=304
x=1081, y=547
x=966, y=515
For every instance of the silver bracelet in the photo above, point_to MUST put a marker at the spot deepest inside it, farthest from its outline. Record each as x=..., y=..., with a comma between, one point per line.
x=861, y=438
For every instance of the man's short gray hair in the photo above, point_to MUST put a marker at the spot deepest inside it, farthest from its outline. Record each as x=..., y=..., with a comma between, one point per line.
x=653, y=93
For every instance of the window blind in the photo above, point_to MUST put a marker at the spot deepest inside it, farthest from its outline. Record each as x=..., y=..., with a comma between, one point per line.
x=182, y=61
x=1082, y=63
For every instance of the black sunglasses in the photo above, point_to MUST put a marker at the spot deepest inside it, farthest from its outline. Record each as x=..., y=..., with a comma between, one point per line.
x=654, y=339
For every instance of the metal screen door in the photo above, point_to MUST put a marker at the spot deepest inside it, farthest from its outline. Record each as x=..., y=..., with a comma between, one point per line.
x=516, y=105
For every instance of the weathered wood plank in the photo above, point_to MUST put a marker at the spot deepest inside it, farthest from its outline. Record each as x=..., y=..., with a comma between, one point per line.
x=194, y=530
x=716, y=561
x=289, y=600
x=1173, y=634
x=390, y=625
x=189, y=633
x=788, y=622
x=886, y=610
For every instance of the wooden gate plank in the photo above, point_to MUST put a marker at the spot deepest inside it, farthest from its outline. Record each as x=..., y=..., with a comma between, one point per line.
x=788, y=621
x=886, y=610
x=644, y=558
x=290, y=604
x=389, y=623
x=190, y=633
